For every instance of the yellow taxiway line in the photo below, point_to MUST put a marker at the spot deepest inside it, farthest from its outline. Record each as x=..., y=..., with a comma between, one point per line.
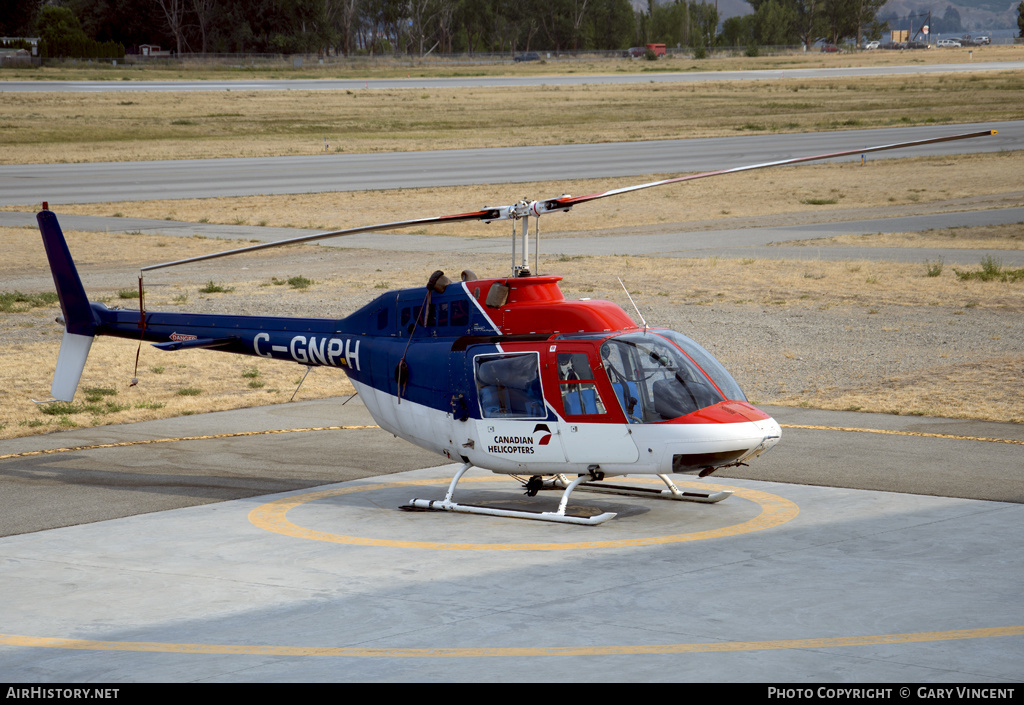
x=125, y=444
x=920, y=434
x=506, y=652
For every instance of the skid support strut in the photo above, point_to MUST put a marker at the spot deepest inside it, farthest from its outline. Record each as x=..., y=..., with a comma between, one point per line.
x=449, y=505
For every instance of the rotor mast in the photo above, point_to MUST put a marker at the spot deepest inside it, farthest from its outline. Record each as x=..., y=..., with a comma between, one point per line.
x=522, y=211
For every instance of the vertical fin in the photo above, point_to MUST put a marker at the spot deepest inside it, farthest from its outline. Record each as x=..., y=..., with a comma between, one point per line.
x=74, y=350
x=79, y=322
x=74, y=303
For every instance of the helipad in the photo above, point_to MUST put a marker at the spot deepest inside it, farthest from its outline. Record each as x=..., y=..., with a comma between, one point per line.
x=855, y=586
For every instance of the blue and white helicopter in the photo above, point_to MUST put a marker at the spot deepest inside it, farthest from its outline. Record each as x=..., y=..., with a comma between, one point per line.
x=500, y=373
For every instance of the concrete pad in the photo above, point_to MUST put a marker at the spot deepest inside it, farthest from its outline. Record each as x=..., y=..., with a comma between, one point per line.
x=910, y=588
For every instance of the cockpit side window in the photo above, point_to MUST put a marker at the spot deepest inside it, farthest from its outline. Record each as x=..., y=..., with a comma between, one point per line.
x=508, y=386
x=653, y=380
x=619, y=366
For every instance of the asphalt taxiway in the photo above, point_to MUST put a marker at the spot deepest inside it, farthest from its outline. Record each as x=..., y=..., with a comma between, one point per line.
x=102, y=182
x=863, y=548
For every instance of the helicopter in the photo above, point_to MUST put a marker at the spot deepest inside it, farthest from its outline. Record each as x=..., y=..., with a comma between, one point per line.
x=500, y=373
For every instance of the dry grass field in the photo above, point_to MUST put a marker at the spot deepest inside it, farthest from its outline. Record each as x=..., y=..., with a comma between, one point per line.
x=441, y=67
x=888, y=310
x=121, y=126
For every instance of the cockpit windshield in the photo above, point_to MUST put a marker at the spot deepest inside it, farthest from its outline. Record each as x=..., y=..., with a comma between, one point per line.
x=653, y=380
x=711, y=366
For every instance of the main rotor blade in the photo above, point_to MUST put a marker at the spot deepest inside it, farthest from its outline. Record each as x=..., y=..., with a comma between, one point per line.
x=477, y=215
x=562, y=203
x=576, y=200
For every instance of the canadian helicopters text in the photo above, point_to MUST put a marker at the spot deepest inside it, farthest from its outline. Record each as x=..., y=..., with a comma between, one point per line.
x=500, y=373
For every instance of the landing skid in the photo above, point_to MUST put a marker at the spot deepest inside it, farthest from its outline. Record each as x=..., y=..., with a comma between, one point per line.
x=447, y=505
x=672, y=492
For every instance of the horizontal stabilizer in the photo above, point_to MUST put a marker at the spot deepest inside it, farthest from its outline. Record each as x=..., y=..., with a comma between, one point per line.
x=195, y=343
x=74, y=349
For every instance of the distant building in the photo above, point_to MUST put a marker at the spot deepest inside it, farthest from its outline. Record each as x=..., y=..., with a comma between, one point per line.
x=16, y=57
x=152, y=50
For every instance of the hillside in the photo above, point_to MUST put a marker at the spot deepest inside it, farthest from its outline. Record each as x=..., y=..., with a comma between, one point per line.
x=974, y=14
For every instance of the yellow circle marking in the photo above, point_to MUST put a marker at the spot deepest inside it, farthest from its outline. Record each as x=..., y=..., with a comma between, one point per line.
x=775, y=510
x=356, y=652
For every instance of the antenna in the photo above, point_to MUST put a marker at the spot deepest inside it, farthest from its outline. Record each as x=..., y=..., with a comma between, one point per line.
x=633, y=302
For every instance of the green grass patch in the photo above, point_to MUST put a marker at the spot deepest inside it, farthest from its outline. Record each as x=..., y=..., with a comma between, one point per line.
x=94, y=394
x=189, y=392
x=214, y=288
x=17, y=302
x=60, y=408
x=63, y=409
x=991, y=270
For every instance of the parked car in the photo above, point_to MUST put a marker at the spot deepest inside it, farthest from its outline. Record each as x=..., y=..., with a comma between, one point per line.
x=947, y=43
x=871, y=45
x=829, y=48
x=983, y=39
x=966, y=41
x=528, y=56
x=635, y=52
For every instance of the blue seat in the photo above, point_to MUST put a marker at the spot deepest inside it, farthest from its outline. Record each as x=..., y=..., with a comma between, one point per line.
x=625, y=391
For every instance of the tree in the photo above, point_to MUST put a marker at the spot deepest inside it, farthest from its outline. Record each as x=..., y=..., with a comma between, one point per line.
x=476, y=19
x=867, y=19
x=174, y=14
x=810, y=22
x=1020, y=19
x=671, y=24
x=738, y=31
x=611, y=24
x=705, y=20
x=18, y=17
x=60, y=32
x=777, y=23
x=203, y=10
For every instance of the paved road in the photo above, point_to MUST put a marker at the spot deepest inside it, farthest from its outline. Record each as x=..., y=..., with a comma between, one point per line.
x=206, y=178
x=501, y=81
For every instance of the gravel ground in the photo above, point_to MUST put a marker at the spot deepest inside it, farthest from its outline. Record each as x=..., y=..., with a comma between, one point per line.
x=866, y=354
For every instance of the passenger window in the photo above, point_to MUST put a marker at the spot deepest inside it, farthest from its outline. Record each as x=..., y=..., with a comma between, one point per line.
x=575, y=380
x=509, y=386
x=460, y=313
